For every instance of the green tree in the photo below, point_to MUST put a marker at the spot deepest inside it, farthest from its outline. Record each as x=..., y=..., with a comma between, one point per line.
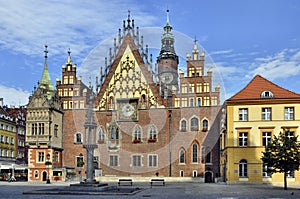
x=282, y=155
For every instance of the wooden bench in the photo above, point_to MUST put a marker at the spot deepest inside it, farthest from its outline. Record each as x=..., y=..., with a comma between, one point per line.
x=127, y=182
x=160, y=181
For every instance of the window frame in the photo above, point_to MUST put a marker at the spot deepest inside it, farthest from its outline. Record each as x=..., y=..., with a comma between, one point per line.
x=266, y=114
x=153, y=158
x=243, y=114
x=243, y=168
x=289, y=113
x=243, y=139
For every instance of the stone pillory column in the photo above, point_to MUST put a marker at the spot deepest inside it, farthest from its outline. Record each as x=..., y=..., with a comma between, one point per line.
x=89, y=141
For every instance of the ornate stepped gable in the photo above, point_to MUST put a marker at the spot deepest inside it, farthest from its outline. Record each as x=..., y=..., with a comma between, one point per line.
x=128, y=77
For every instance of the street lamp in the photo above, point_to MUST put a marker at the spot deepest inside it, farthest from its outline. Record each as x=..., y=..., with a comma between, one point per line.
x=48, y=163
x=80, y=164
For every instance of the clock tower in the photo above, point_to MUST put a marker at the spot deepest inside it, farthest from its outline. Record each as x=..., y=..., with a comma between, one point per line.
x=167, y=62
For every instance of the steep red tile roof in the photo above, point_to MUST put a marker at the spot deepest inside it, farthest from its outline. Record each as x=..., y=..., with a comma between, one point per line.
x=258, y=85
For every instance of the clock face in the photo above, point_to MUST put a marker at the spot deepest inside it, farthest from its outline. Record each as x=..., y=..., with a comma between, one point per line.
x=127, y=110
x=166, y=78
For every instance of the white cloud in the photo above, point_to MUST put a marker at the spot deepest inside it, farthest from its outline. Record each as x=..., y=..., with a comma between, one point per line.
x=221, y=52
x=281, y=65
x=26, y=25
x=14, y=96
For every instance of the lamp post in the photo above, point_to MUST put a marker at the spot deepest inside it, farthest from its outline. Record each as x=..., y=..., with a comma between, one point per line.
x=80, y=164
x=48, y=163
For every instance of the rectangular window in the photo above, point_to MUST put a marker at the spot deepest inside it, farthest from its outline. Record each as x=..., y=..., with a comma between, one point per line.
x=152, y=161
x=206, y=87
x=266, y=114
x=41, y=156
x=191, y=88
x=136, y=160
x=184, y=102
x=206, y=101
x=55, y=130
x=183, y=88
x=81, y=104
x=199, y=87
x=291, y=174
x=12, y=142
x=66, y=92
x=65, y=79
x=243, y=114
x=266, y=138
x=191, y=102
x=71, y=79
x=289, y=113
x=113, y=160
x=289, y=134
x=214, y=101
x=243, y=139
x=76, y=91
x=65, y=105
x=177, y=102
x=79, y=161
x=60, y=92
x=191, y=72
x=70, y=91
x=265, y=172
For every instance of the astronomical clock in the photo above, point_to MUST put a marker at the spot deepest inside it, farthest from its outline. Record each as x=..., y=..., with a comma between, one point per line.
x=128, y=109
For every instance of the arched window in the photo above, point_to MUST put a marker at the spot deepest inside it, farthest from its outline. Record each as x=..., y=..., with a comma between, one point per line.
x=114, y=132
x=195, y=153
x=78, y=138
x=266, y=94
x=199, y=102
x=243, y=168
x=182, y=156
x=152, y=133
x=204, y=125
x=111, y=102
x=56, y=157
x=137, y=134
x=101, y=135
x=194, y=124
x=183, y=125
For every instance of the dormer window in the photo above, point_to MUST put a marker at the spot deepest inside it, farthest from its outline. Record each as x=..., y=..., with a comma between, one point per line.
x=266, y=94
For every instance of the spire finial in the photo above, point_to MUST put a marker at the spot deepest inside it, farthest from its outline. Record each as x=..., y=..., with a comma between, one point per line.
x=46, y=51
x=128, y=15
x=168, y=20
x=69, y=61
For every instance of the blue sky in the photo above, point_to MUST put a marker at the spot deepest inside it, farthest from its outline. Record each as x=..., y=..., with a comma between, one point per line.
x=241, y=38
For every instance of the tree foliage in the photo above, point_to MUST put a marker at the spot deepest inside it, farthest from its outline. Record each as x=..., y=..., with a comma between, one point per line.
x=282, y=155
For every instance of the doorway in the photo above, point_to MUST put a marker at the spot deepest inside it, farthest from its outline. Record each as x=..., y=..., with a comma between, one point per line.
x=208, y=177
x=44, y=175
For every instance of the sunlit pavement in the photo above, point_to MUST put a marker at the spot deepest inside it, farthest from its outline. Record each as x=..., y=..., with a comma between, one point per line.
x=171, y=190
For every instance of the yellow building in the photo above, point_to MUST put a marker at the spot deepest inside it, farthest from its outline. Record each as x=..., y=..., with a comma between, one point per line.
x=7, y=142
x=256, y=113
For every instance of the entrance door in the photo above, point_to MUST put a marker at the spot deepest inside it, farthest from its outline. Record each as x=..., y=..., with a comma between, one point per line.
x=208, y=177
x=44, y=176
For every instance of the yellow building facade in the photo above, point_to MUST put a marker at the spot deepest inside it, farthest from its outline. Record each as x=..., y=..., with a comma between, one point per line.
x=253, y=116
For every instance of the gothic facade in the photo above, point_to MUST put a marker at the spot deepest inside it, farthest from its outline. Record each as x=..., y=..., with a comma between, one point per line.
x=150, y=120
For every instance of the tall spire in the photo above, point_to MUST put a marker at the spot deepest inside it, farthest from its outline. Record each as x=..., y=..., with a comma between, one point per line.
x=45, y=82
x=167, y=40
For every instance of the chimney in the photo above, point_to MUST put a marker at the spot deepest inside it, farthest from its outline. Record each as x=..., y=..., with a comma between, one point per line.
x=1, y=102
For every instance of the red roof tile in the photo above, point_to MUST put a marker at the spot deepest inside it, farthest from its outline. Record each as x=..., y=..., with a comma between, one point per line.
x=258, y=85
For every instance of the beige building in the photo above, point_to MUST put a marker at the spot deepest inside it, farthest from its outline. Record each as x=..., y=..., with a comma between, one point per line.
x=44, y=135
x=254, y=115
